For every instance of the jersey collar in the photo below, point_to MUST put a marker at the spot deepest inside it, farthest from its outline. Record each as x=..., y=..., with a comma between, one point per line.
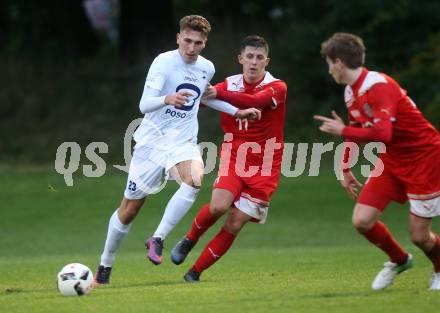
x=357, y=84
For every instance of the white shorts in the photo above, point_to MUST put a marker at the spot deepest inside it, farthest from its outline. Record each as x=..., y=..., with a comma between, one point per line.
x=425, y=208
x=149, y=168
x=255, y=208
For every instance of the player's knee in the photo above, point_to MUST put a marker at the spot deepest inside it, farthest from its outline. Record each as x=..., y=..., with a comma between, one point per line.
x=219, y=207
x=362, y=224
x=193, y=180
x=420, y=239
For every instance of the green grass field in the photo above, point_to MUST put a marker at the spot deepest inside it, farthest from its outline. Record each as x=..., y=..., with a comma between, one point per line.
x=306, y=258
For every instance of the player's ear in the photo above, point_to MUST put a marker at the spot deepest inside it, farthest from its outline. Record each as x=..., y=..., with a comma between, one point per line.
x=267, y=61
x=240, y=59
x=177, y=38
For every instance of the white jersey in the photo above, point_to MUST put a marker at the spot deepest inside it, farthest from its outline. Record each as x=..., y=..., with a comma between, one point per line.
x=169, y=126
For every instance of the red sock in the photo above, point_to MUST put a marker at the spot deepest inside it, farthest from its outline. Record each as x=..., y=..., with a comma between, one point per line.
x=434, y=254
x=380, y=236
x=201, y=223
x=214, y=250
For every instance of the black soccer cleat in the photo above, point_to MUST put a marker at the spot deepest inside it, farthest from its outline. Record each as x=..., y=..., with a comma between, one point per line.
x=102, y=276
x=181, y=250
x=192, y=276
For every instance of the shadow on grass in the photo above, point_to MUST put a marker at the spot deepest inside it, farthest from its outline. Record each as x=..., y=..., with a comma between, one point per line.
x=144, y=284
x=337, y=295
x=17, y=291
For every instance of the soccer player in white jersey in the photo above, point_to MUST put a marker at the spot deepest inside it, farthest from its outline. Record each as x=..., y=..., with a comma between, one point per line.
x=166, y=140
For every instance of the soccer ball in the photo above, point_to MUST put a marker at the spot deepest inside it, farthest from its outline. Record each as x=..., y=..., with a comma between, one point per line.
x=75, y=279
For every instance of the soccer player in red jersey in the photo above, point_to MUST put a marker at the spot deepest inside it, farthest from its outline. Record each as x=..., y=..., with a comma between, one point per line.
x=379, y=110
x=250, y=157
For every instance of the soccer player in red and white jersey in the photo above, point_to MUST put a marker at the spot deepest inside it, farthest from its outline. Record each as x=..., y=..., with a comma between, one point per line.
x=250, y=157
x=379, y=110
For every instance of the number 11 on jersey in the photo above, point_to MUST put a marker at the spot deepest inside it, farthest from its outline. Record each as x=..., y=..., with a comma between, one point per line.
x=242, y=123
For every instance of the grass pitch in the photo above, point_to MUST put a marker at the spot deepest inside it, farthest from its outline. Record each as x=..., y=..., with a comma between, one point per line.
x=306, y=258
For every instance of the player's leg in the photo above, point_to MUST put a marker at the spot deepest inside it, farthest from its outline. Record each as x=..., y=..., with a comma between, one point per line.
x=226, y=188
x=420, y=221
x=375, y=196
x=219, y=245
x=189, y=174
x=144, y=177
x=252, y=205
x=366, y=221
x=221, y=201
x=118, y=228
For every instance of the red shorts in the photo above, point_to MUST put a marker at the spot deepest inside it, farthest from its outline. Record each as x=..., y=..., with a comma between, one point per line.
x=418, y=181
x=379, y=191
x=259, y=188
x=251, y=194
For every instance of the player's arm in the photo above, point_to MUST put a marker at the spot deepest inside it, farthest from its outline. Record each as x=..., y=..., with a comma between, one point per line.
x=268, y=97
x=222, y=106
x=381, y=130
x=152, y=98
x=349, y=181
x=383, y=99
x=350, y=184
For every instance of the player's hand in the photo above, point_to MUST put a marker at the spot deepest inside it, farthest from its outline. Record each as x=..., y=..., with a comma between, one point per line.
x=332, y=126
x=177, y=99
x=351, y=184
x=251, y=114
x=210, y=92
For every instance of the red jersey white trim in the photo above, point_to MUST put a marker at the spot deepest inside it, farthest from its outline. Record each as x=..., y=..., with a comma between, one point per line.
x=370, y=80
x=235, y=82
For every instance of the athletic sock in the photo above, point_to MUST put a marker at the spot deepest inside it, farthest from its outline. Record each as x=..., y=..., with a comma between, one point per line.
x=201, y=223
x=115, y=234
x=214, y=250
x=380, y=236
x=434, y=254
x=177, y=207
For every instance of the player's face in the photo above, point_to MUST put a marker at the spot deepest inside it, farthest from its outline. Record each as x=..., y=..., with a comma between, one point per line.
x=191, y=44
x=336, y=70
x=254, y=61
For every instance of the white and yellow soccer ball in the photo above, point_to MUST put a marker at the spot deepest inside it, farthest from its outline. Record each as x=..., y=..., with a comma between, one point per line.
x=75, y=279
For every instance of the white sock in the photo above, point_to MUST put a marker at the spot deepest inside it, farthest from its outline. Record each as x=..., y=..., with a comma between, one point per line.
x=176, y=209
x=116, y=232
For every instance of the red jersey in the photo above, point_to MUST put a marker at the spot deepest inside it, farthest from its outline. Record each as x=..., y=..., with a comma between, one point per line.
x=379, y=110
x=269, y=95
x=376, y=97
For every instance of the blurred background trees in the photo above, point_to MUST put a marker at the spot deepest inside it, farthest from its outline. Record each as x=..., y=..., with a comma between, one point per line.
x=63, y=79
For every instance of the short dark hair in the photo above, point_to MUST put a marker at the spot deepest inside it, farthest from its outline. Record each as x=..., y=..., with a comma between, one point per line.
x=195, y=22
x=349, y=48
x=254, y=41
